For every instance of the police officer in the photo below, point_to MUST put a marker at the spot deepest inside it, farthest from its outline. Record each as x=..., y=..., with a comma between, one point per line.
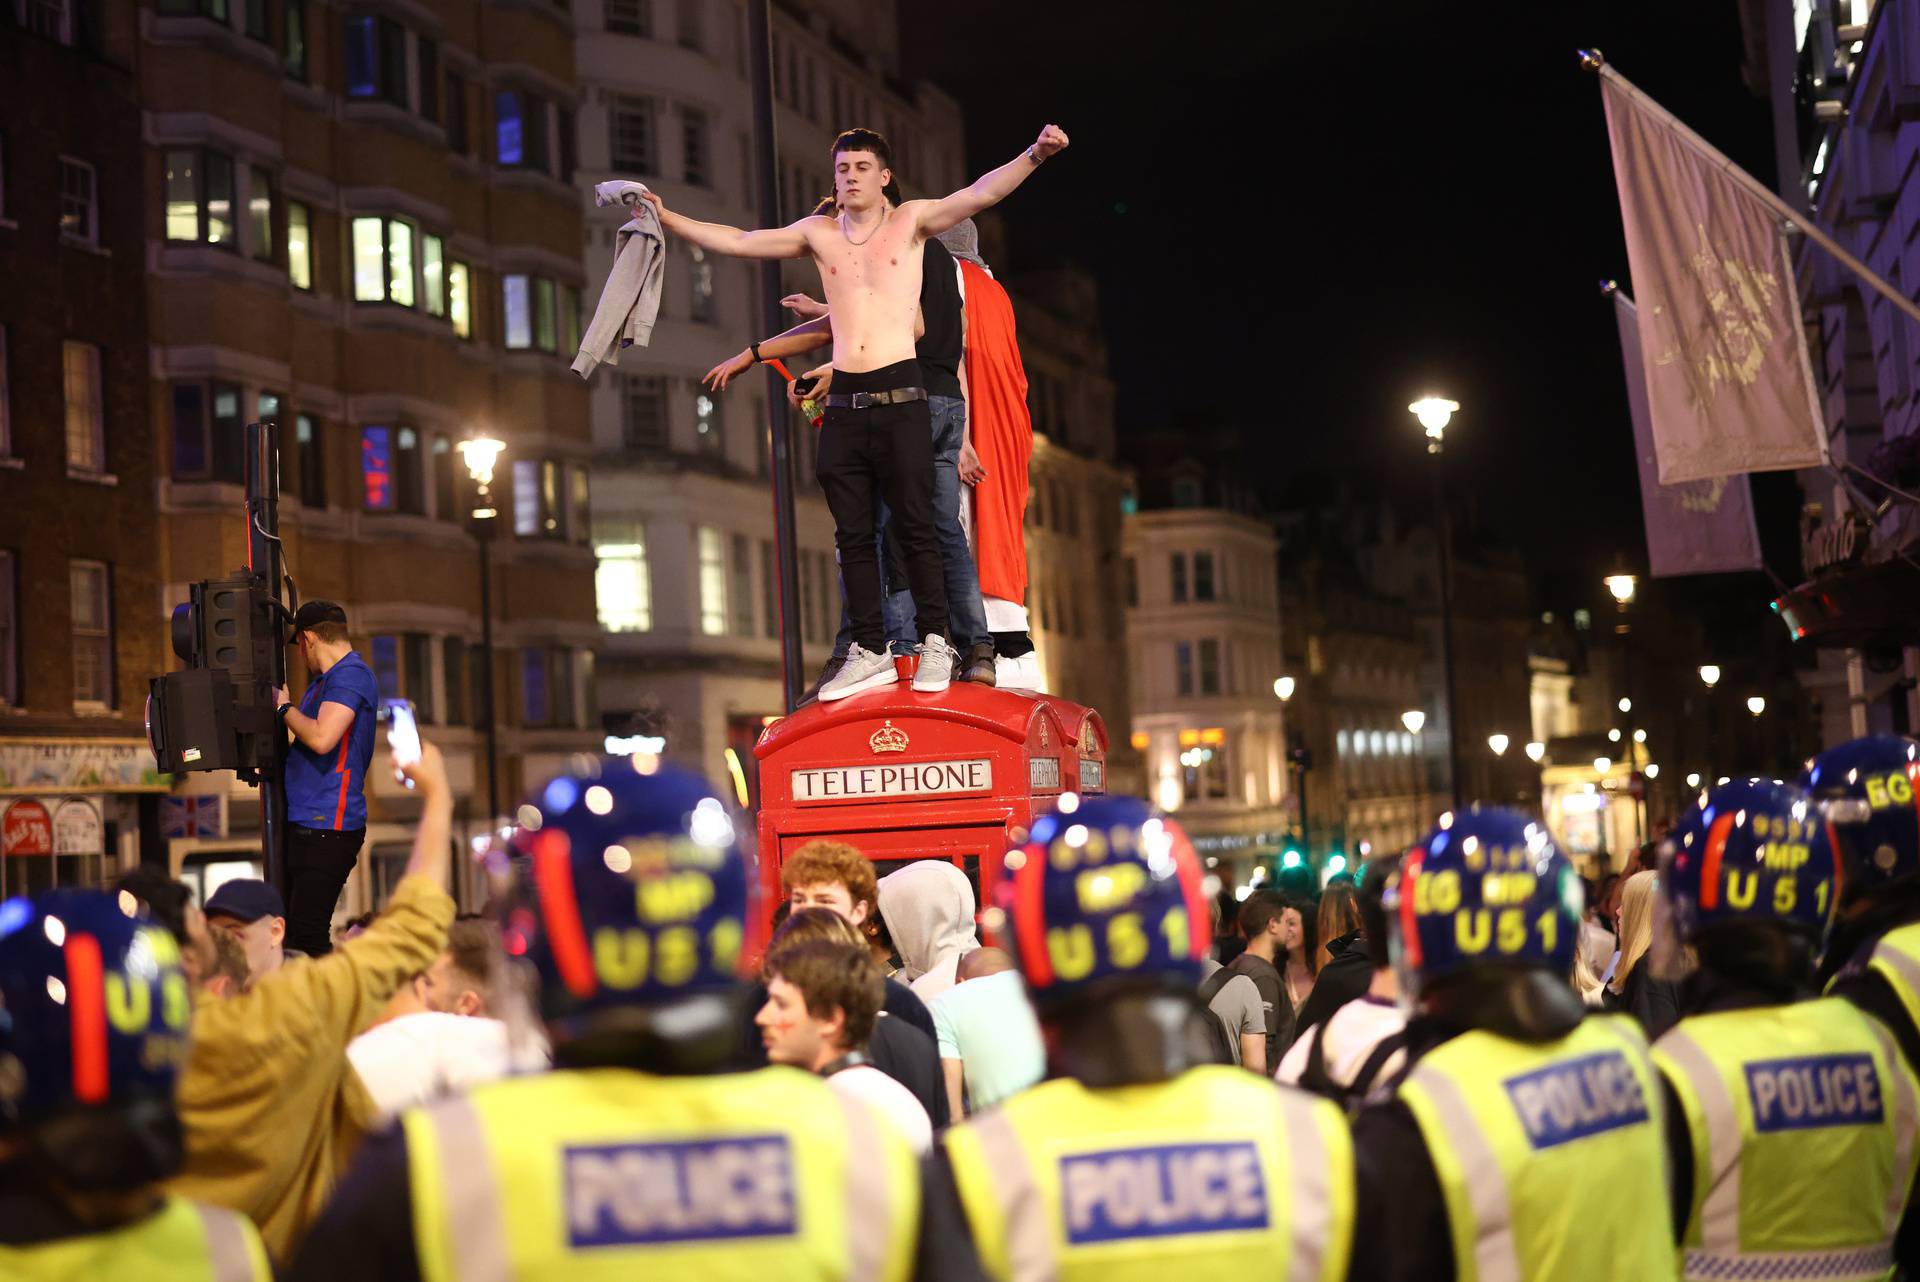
x=642, y=1155
x=1509, y=1146
x=1136, y=1155
x=94, y=1012
x=1864, y=791
x=1792, y=1119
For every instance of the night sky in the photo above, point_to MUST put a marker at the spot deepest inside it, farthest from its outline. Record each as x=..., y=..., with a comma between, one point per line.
x=1304, y=216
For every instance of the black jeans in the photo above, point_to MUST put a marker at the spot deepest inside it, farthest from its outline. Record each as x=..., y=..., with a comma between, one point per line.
x=891, y=447
x=319, y=862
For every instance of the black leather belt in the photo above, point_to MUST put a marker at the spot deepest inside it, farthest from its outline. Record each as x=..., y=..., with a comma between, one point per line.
x=867, y=400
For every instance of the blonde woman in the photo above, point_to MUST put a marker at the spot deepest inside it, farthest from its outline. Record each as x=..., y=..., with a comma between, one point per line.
x=1634, y=990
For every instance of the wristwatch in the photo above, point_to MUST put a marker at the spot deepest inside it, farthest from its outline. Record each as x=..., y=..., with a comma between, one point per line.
x=754, y=347
x=280, y=713
x=1033, y=155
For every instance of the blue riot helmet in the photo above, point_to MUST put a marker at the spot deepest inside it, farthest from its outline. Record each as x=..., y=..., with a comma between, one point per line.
x=1746, y=852
x=1105, y=894
x=94, y=1017
x=631, y=898
x=1863, y=791
x=1747, y=882
x=1483, y=922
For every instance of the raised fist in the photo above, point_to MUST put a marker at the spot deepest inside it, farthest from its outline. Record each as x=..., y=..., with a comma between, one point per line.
x=1052, y=141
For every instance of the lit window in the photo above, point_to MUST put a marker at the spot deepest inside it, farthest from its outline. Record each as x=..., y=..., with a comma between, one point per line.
x=431, y=273
x=713, y=582
x=79, y=214
x=199, y=196
x=706, y=425
x=569, y=319
x=460, y=298
x=299, y=245
x=218, y=198
x=369, y=253
x=92, y=603
x=376, y=468
x=543, y=318
x=622, y=587
x=515, y=307
x=183, y=201
x=701, y=278
x=293, y=38
x=376, y=58
x=400, y=262
x=509, y=110
x=86, y=426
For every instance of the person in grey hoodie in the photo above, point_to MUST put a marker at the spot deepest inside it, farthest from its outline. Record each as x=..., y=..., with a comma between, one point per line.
x=929, y=909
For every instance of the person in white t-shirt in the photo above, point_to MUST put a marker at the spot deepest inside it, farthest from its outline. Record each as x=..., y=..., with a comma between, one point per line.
x=822, y=1000
x=442, y=1034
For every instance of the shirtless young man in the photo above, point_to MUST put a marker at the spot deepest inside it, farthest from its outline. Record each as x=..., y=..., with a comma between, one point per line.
x=878, y=430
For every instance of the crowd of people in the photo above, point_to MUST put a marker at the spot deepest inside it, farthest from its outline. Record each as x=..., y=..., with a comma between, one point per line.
x=605, y=1073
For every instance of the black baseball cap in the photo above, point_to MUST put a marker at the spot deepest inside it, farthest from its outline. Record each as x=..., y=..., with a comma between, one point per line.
x=245, y=899
x=317, y=612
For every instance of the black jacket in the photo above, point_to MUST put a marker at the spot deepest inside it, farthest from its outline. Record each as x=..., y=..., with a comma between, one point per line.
x=1347, y=975
x=1653, y=1003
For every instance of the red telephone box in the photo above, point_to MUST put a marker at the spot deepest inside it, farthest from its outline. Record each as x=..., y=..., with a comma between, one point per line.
x=903, y=776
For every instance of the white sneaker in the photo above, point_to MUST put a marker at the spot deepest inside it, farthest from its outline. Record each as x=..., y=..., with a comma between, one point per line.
x=1022, y=674
x=862, y=670
x=935, y=672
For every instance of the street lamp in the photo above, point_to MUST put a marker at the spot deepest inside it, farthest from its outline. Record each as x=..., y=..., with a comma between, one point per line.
x=1621, y=587
x=1710, y=673
x=1413, y=719
x=1756, y=704
x=1297, y=759
x=1536, y=751
x=1283, y=688
x=1498, y=742
x=1652, y=770
x=1434, y=413
x=1602, y=764
x=1693, y=780
x=479, y=454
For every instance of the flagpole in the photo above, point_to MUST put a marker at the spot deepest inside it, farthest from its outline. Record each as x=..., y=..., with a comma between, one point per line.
x=1592, y=60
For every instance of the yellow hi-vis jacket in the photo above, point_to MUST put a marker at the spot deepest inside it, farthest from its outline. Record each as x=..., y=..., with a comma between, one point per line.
x=1217, y=1173
x=1533, y=1144
x=182, y=1242
x=1896, y=958
x=610, y=1174
x=1802, y=1119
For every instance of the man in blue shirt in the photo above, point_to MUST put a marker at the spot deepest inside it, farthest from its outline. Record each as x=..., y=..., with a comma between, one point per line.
x=330, y=733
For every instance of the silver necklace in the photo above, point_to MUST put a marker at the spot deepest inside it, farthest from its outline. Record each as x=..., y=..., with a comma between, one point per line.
x=884, y=215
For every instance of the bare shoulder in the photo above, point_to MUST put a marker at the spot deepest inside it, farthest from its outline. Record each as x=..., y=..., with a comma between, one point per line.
x=916, y=210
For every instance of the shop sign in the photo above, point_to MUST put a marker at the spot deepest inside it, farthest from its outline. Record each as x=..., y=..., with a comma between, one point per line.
x=79, y=765
x=77, y=829
x=26, y=829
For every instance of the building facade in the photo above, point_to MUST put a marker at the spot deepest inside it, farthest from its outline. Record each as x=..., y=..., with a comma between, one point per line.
x=1842, y=75
x=1203, y=647
x=80, y=628
x=682, y=493
x=361, y=223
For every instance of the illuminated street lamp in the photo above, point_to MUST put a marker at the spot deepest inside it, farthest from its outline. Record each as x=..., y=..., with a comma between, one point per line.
x=1626, y=705
x=1622, y=586
x=1652, y=770
x=1413, y=719
x=1613, y=735
x=1536, y=751
x=1602, y=764
x=480, y=453
x=1693, y=780
x=1710, y=673
x=1283, y=688
x=1498, y=742
x=1639, y=736
x=1756, y=704
x=1434, y=413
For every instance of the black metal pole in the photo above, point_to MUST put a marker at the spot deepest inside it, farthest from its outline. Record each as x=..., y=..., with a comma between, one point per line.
x=1446, y=616
x=1625, y=630
x=484, y=532
x=1306, y=825
x=265, y=563
x=779, y=416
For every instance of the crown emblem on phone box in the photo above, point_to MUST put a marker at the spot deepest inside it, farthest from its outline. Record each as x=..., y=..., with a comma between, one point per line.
x=888, y=739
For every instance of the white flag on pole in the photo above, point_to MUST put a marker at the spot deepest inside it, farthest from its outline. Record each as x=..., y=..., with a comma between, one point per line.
x=1729, y=385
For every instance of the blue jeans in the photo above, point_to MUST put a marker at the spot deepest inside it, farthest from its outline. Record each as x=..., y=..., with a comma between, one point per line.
x=966, y=616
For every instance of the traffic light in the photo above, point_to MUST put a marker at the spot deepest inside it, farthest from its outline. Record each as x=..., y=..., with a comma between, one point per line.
x=1290, y=858
x=1336, y=863
x=218, y=713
